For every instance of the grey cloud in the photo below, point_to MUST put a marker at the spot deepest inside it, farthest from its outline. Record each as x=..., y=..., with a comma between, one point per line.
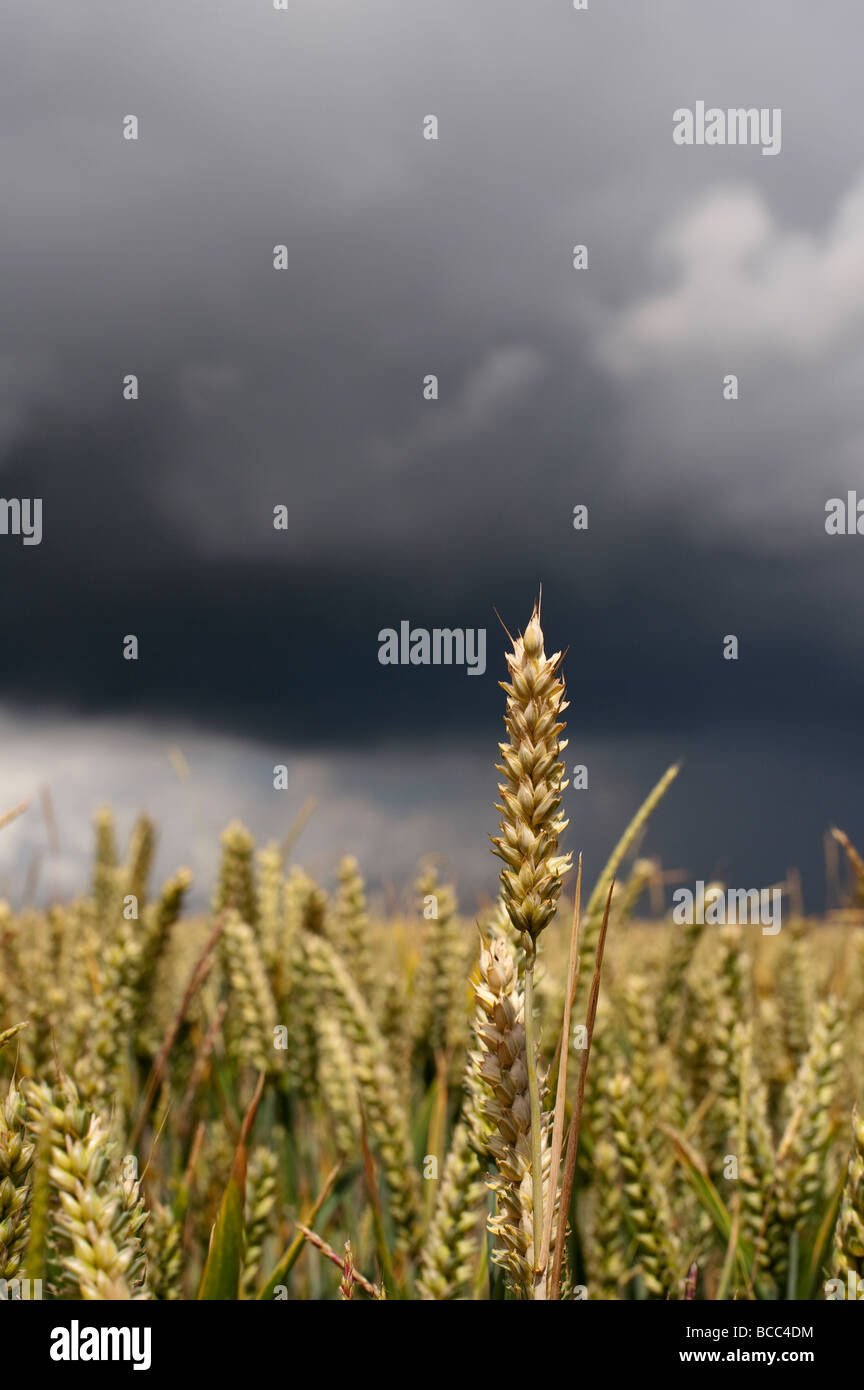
x=504, y=380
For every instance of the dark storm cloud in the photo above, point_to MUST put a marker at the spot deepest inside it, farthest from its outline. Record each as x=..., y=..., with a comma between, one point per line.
x=557, y=387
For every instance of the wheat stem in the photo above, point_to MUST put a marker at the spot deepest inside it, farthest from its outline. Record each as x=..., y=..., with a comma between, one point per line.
x=534, y=1103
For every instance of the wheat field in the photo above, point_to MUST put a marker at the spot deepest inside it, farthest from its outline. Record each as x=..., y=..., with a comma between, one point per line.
x=292, y=1097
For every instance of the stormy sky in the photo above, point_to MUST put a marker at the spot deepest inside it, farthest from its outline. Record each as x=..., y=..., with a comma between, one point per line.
x=558, y=387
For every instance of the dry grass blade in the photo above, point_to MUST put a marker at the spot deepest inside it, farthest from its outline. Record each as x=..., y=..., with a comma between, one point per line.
x=201, y=1066
x=9, y=1033
x=16, y=811
x=157, y=1072
x=289, y=1259
x=297, y=826
x=610, y=869
x=384, y=1258
x=561, y=1089
x=573, y=1135
x=344, y=1265
x=855, y=860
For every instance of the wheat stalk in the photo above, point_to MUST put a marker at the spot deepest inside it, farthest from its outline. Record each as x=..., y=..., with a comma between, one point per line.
x=531, y=824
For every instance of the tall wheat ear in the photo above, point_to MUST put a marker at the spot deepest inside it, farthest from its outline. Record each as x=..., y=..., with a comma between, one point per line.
x=533, y=870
